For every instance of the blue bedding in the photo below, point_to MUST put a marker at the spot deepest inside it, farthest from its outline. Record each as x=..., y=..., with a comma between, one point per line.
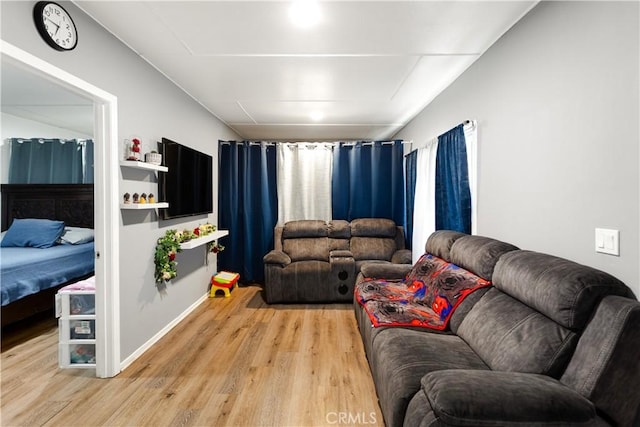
x=26, y=271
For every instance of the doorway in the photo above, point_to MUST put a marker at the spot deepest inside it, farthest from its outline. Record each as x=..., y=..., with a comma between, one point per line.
x=107, y=269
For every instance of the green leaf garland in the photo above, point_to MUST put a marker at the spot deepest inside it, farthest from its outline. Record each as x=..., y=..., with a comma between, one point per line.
x=169, y=245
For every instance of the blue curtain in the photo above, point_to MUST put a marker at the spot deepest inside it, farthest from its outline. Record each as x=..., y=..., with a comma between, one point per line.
x=453, y=196
x=410, y=183
x=50, y=161
x=368, y=181
x=247, y=206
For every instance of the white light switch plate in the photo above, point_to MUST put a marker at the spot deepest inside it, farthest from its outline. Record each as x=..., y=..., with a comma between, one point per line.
x=608, y=241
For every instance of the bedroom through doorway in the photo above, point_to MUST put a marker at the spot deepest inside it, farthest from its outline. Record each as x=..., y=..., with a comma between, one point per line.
x=37, y=96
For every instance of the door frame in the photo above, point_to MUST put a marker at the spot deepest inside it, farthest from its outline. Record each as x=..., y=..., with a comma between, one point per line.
x=106, y=202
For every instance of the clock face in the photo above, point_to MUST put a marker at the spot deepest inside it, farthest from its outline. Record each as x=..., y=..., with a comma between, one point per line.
x=55, y=25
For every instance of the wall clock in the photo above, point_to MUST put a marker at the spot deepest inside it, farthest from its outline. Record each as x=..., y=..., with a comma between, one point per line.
x=55, y=25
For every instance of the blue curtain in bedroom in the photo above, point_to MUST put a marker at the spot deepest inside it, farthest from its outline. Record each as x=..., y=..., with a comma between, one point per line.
x=247, y=206
x=410, y=167
x=368, y=181
x=453, y=196
x=51, y=161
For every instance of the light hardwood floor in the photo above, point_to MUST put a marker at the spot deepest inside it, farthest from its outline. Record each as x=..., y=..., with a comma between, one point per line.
x=232, y=362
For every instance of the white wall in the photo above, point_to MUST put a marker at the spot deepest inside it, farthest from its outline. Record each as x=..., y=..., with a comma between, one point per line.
x=150, y=107
x=20, y=127
x=556, y=99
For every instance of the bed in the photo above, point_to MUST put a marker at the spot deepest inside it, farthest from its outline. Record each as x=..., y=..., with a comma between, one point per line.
x=30, y=277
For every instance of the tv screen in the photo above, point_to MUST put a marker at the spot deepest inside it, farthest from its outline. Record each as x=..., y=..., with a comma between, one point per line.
x=188, y=185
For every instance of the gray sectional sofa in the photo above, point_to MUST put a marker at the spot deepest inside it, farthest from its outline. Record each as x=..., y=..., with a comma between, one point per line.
x=551, y=342
x=318, y=261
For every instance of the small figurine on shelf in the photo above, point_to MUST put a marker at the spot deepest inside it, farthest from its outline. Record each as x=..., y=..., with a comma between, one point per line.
x=127, y=198
x=143, y=198
x=151, y=199
x=133, y=149
x=135, y=198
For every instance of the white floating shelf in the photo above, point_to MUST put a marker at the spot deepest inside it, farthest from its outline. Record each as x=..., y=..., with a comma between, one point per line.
x=144, y=205
x=142, y=165
x=194, y=243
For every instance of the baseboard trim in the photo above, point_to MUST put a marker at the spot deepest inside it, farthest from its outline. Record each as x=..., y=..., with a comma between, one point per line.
x=146, y=346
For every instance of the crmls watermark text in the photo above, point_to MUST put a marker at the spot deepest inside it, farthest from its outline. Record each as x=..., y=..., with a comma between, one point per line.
x=351, y=418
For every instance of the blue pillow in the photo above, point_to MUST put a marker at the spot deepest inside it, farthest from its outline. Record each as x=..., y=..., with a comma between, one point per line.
x=76, y=236
x=34, y=233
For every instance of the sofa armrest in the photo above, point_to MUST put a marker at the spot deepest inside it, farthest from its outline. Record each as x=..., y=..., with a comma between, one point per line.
x=402, y=256
x=385, y=271
x=340, y=253
x=278, y=258
x=477, y=397
x=343, y=268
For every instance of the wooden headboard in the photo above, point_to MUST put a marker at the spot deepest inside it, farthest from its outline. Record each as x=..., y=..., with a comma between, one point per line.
x=71, y=203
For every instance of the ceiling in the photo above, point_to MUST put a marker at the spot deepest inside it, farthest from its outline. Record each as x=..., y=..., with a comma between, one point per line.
x=364, y=70
x=28, y=95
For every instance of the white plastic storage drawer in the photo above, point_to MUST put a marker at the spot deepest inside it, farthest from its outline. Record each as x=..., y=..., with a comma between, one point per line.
x=76, y=310
x=77, y=329
x=74, y=354
x=75, y=303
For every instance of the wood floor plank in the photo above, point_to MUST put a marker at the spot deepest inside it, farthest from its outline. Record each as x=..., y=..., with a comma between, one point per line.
x=232, y=362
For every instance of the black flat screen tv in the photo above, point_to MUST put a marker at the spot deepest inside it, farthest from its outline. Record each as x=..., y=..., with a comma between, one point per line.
x=188, y=185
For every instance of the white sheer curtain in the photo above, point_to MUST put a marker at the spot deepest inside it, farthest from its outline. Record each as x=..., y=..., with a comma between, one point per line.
x=304, y=181
x=424, y=205
x=424, y=217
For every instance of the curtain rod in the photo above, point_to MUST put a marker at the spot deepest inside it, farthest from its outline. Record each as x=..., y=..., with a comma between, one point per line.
x=464, y=123
x=43, y=140
x=346, y=143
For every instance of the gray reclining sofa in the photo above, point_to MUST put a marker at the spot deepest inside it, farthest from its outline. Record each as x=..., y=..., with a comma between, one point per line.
x=551, y=342
x=318, y=261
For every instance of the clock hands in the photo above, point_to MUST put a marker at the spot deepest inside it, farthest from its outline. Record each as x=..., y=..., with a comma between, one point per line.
x=57, y=25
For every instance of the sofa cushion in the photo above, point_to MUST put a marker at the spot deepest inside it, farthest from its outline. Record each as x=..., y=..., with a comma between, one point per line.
x=373, y=227
x=402, y=356
x=305, y=228
x=427, y=267
x=339, y=229
x=372, y=248
x=477, y=398
x=339, y=245
x=464, y=308
x=439, y=243
x=478, y=254
x=605, y=367
x=562, y=290
x=402, y=256
x=510, y=336
x=306, y=249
